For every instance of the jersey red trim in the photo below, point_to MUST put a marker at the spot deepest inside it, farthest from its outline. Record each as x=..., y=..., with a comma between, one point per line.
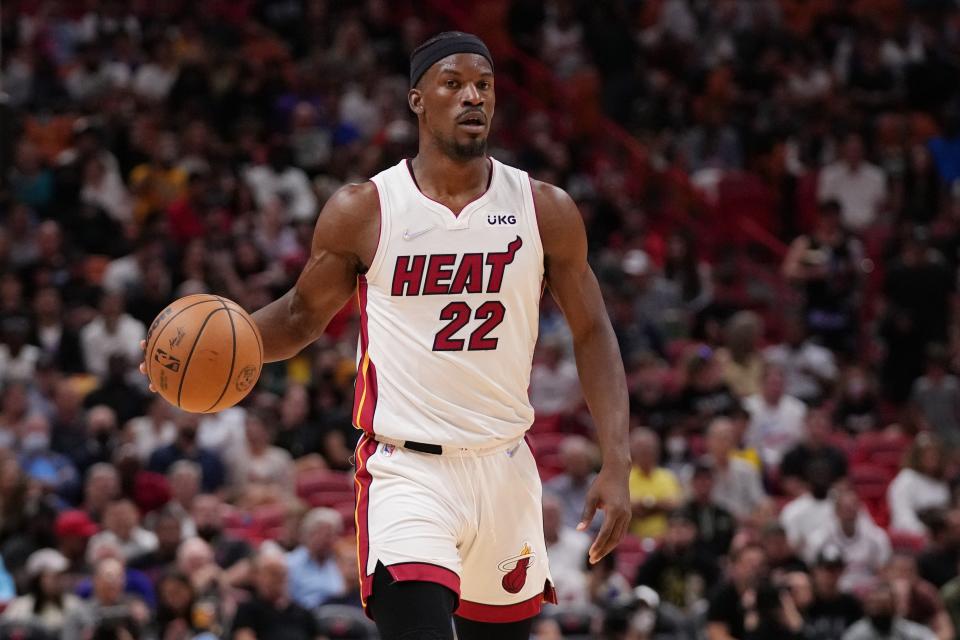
x=426, y=572
x=365, y=390
x=362, y=481
x=479, y=612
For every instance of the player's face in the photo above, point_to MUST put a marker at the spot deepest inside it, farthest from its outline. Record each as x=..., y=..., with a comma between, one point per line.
x=454, y=101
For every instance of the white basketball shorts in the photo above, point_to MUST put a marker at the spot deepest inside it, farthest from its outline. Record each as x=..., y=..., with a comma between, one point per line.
x=469, y=520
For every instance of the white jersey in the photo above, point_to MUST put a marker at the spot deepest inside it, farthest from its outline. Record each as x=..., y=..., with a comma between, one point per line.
x=449, y=314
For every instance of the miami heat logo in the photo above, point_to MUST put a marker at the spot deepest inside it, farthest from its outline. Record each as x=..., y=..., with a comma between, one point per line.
x=516, y=570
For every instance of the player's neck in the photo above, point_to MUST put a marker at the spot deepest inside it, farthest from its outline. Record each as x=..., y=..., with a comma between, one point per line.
x=443, y=178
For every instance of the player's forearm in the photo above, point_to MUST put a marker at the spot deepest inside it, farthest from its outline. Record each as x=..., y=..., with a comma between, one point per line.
x=285, y=328
x=604, y=386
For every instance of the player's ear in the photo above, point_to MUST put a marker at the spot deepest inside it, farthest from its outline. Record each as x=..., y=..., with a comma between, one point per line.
x=415, y=101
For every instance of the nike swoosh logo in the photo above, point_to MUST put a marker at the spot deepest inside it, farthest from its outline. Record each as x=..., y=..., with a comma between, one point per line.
x=410, y=235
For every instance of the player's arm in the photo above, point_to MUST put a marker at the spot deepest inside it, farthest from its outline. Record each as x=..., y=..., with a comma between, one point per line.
x=575, y=288
x=344, y=241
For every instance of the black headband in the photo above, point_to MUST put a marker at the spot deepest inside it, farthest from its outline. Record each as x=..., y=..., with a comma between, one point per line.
x=442, y=45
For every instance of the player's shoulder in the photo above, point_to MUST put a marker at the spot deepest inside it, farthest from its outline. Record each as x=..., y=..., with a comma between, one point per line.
x=550, y=196
x=353, y=205
x=557, y=214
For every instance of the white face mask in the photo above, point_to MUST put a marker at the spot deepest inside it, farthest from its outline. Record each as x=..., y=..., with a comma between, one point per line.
x=34, y=442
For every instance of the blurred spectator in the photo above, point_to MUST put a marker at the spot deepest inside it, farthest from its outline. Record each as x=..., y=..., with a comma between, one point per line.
x=705, y=395
x=740, y=359
x=825, y=264
x=712, y=144
x=297, y=434
x=68, y=419
x=832, y=611
x=605, y=585
x=58, y=342
x=152, y=430
x=782, y=559
x=858, y=407
x=691, y=276
x=13, y=412
x=265, y=465
x=656, y=301
x=270, y=614
x=859, y=187
x=157, y=183
x=167, y=530
x=805, y=514
x=882, y=621
x=815, y=448
x=109, y=609
x=736, y=484
x=579, y=457
x=916, y=599
x=135, y=583
x=566, y=548
x=715, y=526
x=937, y=564
x=18, y=359
x=113, y=332
x=73, y=530
x=864, y=546
x=185, y=447
x=776, y=419
x=809, y=369
x=184, y=479
x=654, y=491
x=45, y=601
x=210, y=583
x=936, y=396
x=735, y=599
x=950, y=593
x=230, y=553
x=279, y=179
x=121, y=524
x=100, y=488
x=650, y=399
x=50, y=469
x=100, y=438
x=116, y=393
x=554, y=384
x=314, y=575
x=680, y=570
x=919, y=486
x=918, y=289
x=176, y=607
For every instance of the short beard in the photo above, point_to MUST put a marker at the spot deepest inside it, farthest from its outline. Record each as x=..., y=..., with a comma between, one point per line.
x=460, y=152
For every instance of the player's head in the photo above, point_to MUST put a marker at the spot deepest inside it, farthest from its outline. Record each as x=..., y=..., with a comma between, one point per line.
x=451, y=91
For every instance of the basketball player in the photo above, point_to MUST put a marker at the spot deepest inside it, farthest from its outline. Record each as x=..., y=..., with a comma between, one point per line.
x=448, y=253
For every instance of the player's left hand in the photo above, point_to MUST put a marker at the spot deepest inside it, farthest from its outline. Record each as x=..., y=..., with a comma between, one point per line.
x=608, y=492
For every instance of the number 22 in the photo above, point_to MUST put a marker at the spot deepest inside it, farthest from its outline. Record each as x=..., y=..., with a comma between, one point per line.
x=458, y=315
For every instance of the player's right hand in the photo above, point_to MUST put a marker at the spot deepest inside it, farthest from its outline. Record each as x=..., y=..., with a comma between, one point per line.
x=143, y=364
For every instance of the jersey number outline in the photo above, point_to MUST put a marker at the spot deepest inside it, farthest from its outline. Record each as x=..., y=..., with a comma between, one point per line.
x=458, y=315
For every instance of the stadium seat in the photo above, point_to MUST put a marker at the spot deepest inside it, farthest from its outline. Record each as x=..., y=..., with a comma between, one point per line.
x=314, y=480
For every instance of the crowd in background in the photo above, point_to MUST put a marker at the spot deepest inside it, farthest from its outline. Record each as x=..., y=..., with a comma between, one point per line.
x=775, y=223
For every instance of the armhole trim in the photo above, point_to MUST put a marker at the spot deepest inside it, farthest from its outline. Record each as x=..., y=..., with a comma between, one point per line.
x=383, y=232
x=526, y=186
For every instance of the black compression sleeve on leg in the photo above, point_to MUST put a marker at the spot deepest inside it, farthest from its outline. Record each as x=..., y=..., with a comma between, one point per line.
x=472, y=630
x=411, y=610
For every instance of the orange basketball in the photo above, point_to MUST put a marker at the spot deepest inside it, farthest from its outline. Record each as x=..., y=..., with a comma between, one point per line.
x=204, y=353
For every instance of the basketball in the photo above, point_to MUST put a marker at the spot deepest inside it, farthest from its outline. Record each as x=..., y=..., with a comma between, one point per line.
x=204, y=353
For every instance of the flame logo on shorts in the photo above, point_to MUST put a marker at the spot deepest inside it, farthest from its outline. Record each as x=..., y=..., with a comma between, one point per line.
x=516, y=570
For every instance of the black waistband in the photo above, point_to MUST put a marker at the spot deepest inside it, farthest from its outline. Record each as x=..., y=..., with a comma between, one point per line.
x=422, y=447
